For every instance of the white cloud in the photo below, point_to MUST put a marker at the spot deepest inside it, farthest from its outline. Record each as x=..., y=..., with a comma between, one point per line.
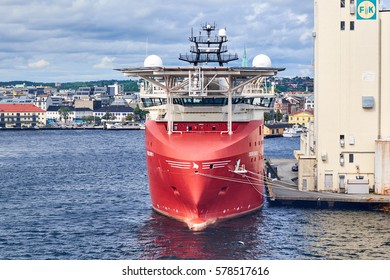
x=306, y=36
x=105, y=63
x=196, y=19
x=257, y=9
x=86, y=38
x=302, y=18
x=40, y=64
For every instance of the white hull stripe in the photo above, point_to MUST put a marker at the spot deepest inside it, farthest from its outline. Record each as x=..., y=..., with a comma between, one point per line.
x=205, y=165
x=215, y=164
x=179, y=164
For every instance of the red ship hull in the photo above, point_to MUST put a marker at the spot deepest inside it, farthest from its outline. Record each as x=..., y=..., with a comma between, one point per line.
x=193, y=173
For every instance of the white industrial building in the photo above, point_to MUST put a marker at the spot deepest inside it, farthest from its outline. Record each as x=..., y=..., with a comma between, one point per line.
x=348, y=146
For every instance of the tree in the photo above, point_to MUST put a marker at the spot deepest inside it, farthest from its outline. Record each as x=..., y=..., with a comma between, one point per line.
x=140, y=114
x=266, y=116
x=279, y=116
x=64, y=113
x=108, y=116
x=130, y=117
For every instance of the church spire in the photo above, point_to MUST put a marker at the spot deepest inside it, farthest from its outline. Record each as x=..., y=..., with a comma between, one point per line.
x=244, y=59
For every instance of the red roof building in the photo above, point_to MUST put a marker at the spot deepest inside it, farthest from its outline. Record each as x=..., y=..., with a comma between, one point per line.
x=21, y=116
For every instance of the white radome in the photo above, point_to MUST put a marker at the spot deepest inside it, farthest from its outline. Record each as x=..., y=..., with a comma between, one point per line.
x=261, y=60
x=222, y=32
x=153, y=61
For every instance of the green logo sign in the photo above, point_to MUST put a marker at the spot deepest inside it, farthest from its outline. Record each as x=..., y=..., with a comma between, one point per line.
x=366, y=9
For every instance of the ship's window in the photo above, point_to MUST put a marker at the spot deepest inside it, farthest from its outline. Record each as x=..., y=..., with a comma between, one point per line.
x=211, y=166
x=242, y=100
x=342, y=3
x=178, y=101
x=351, y=158
x=351, y=25
x=214, y=127
x=342, y=25
x=266, y=102
x=197, y=101
x=147, y=102
x=208, y=101
x=200, y=101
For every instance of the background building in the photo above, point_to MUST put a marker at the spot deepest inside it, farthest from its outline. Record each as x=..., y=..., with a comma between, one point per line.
x=21, y=116
x=303, y=118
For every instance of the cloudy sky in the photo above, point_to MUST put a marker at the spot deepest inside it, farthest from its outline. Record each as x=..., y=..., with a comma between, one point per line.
x=81, y=40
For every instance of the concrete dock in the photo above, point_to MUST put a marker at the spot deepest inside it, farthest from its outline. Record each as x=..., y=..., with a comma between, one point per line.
x=285, y=191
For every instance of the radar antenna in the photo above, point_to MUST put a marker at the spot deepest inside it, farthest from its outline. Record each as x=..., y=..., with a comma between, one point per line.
x=208, y=48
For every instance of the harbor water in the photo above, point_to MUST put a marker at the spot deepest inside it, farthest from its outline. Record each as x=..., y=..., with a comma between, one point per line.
x=81, y=194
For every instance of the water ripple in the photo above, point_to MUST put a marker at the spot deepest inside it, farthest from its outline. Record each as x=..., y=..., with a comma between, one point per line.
x=84, y=195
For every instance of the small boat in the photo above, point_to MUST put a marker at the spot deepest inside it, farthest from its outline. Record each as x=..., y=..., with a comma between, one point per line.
x=294, y=131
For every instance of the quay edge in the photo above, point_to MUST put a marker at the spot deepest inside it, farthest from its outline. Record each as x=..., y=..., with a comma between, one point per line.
x=285, y=192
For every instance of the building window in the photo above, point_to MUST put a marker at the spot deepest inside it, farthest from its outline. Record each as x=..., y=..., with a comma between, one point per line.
x=351, y=25
x=342, y=25
x=350, y=158
x=342, y=3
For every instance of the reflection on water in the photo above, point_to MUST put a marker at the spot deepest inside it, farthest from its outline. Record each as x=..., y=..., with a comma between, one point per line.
x=173, y=240
x=272, y=233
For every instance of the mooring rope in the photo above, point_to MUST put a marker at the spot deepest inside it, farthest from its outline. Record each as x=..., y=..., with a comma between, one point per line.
x=248, y=182
x=257, y=181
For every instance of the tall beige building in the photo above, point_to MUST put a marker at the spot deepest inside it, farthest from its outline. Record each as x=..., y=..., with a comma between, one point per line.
x=348, y=147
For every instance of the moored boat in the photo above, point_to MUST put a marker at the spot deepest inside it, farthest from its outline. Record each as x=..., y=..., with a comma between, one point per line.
x=294, y=131
x=204, y=133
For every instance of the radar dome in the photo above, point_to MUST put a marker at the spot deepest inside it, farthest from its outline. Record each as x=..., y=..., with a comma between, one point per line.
x=222, y=32
x=153, y=61
x=261, y=60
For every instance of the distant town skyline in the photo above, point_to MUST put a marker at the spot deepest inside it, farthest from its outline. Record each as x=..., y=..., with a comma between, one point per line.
x=81, y=40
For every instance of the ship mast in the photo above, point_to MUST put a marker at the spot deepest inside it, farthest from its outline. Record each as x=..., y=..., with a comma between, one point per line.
x=211, y=49
x=208, y=48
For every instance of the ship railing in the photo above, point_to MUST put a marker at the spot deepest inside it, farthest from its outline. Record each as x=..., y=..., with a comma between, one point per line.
x=203, y=58
x=208, y=49
x=208, y=39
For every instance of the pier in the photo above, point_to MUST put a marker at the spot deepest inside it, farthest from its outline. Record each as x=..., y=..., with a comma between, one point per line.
x=285, y=191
